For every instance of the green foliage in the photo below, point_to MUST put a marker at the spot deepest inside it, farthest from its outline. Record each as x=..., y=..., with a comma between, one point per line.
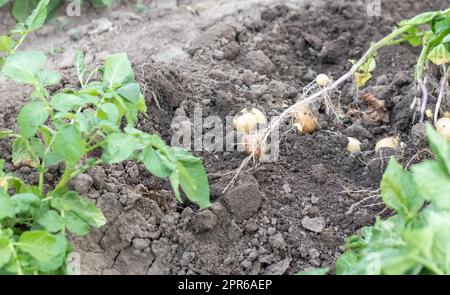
x=416, y=240
x=21, y=9
x=431, y=30
x=66, y=128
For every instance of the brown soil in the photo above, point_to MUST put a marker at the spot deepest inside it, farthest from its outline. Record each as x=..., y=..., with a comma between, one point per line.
x=280, y=217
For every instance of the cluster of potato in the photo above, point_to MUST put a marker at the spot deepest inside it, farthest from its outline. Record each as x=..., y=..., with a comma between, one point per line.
x=305, y=121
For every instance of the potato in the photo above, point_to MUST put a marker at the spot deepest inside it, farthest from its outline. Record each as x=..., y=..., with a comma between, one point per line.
x=304, y=119
x=253, y=143
x=429, y=114
x=247, y=120
x=388, y=142
x=354, y=145
x=443, y=127
x=322, y=80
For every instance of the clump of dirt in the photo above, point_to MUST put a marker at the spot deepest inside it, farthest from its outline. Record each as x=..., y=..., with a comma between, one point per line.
x=279, y=217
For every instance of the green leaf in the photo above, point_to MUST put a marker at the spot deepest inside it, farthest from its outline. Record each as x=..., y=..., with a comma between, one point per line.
x=315, y=272
x=75, y=224
x=69, y=144
x=419, y=19
x=110, y=112
x=24, y=202
x=6, y=133
x=38, y=16
x=117, y=70
x=6, y=44
x=65, y=102
x=440, y=25
x=346, y=262
x=158, y=164
x=39, y=244
x=82, y=207
x=131, y=92
x=48, y=78
x=6, y=206
x=23, y=154
x=192, y=177
x=31, y=117
x=80, y=65
x=398, y=190
x=433, y=183
x=3, y=2
x=60, y=251
x=23, y=66
x=412, y=38
x=440, y=54
x=119, y=147
x=440, y=147
x=5, y=250
x=101, y=3
x=51, y=221
x=87, y=121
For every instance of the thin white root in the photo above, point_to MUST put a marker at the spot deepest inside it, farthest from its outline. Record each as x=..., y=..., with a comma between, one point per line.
x=442, y=85
x=372, y=195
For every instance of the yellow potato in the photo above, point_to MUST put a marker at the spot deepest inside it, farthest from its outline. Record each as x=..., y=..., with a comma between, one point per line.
x=388, y=142
x=246, y=121
x=253, y=143
x=443, y=127
x=322, y=80
x=304, y=120
x=354, y=145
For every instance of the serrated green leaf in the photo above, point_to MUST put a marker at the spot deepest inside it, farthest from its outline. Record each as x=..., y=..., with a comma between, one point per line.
x=440, y=147
x=6, y=44
x=69, y=144
x=75, y=224
x=65, y=102
x=109, y=112
x=131, y=92
x=5, y=250
x=82, y=207
x=38, y=16
x=39, y=244
x=60, y=251
x=398, y=190
x=51, y=221
x=192, y=177
x=6, y=206
x=119, y=147
x=420, y=19
x=80, y=66
x=346, y=262
x=23, y=66
x=31, y=117
x=158, y=164
x=48, y=78
x=433, y=183
x=117, y=70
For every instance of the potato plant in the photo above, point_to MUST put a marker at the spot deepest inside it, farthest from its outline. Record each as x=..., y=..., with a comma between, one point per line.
x=75, y=129
x=416, y=239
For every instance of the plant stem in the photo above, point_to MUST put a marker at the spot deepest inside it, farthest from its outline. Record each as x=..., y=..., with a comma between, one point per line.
x=41, y=182
x=15, y=256
x=369, y=53
x=65, y=177
x=441, y=92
